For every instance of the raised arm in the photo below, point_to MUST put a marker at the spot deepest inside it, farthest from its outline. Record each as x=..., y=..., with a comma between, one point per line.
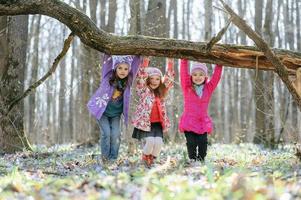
x=184, y=74
x=170, y=74
x=106, y=66
x=142, y=76
x=216, y=76
x=134, y=67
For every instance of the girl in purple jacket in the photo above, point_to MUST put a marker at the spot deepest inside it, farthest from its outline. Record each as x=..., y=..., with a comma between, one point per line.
x=111, y=99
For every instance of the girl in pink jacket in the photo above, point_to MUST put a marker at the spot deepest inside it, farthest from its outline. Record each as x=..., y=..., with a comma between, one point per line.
x=150, y=119
x=197, y=91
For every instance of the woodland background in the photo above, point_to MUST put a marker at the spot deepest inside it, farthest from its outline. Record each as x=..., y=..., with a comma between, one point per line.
x=248, y=105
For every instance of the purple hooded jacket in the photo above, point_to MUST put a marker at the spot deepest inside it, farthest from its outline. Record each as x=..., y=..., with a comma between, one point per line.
x=99, y=100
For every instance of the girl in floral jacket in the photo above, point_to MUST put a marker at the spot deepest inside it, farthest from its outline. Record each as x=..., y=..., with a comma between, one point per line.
x=111, y=99
x=150, y=119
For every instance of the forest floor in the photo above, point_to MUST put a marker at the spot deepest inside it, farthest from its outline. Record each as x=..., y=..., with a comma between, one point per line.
x=244, y=171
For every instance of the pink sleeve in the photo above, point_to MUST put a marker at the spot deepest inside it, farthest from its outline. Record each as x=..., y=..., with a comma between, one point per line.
x=184, y=74
x=169, y=76
x=106, y=66
x=216, y=76
x=141, y=77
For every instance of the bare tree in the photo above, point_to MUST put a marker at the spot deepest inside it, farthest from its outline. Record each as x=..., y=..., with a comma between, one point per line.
x=72, y=106
x=298, y=27
x=208, y=19
x=269, y=78
x=135, y=28
x=112, y=16
x=245, y=111
x=174, y=48
x=34, y=76
x=177, y=105
x=242, y=11
x=13, y=41
x=62, y=136
x=155, y=25
x=259, y=137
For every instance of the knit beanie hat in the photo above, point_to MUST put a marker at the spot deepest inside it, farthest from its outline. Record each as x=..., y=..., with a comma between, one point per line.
x=153, y=71
x=198, y=66
x=122, y=59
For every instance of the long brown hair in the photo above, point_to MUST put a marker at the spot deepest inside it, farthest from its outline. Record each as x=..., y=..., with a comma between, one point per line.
x=115, y=81
x=160, y=91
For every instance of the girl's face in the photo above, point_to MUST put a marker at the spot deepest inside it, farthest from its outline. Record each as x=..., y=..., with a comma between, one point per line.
x=154, y=82
x=198, y=77
x=122, y=70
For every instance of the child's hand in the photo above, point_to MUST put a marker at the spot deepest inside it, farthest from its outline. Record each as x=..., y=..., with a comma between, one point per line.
x=145, y=61
x=170, y=63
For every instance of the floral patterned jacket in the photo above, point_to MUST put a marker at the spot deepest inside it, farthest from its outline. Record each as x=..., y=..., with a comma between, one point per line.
x=141, y=118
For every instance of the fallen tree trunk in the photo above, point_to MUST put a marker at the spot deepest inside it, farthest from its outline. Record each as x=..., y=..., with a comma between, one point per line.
x=283, y=62
x=225, y=54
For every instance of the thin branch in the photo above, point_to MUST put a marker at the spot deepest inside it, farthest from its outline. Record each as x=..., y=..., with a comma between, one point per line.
x=57, y=60
x=228, y=55
x=280, y=69
x=33, y=171
x=224, y=54
x=218, y=37
x=218, y=8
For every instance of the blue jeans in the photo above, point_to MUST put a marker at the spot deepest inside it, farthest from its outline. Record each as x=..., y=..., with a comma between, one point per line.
x=109, y=137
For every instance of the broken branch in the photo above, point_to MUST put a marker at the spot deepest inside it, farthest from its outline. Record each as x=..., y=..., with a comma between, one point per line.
x=57, y=60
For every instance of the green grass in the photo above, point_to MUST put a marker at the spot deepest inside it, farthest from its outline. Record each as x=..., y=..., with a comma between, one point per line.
x=244, y=171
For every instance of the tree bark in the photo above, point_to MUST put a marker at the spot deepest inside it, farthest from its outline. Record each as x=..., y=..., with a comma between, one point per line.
x=277, y=30
x=89, y=34
x=62, y=134
x=243, y=99
x=71, y=97
x=94, y=61
x=208, y=19
x=288, y=26
x=87, y=31
x=12, y=60
x=242, y=11
x=102, y=13
x=155, y=25
x=85, y=63
x=112, y=16
x=34, y=76
x=135, y=28
x=298, y=27
x=259, y=89
x=269, y=79
x=187, y=21
x=177, y=97
x=135, y=22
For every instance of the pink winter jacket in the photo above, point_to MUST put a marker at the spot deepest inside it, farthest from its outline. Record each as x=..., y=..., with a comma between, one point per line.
x=195, y=115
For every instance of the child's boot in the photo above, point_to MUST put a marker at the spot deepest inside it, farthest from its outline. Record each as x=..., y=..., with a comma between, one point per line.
x=152, y=159
x=145, y=159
